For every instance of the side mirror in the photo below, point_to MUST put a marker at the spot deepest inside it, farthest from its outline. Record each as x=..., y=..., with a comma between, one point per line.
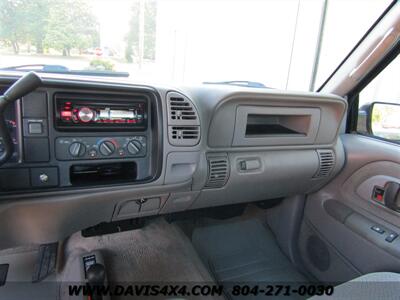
x=383, y=120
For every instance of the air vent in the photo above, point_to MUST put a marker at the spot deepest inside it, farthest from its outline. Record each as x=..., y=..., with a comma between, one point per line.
x=181, y=109
x=326, y=163
x=184, y=135
x=183, y=121
x=218, y=171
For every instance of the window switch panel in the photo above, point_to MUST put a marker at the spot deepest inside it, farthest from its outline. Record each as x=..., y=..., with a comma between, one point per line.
x=391, y=237
x=378, y=229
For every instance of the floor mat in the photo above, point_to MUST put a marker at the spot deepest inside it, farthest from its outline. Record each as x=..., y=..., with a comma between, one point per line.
x=21, y=264
x=159, y=253
x=244, y=252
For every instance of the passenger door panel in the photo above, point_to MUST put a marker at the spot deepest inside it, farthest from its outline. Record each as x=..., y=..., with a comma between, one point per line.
x=337, y=242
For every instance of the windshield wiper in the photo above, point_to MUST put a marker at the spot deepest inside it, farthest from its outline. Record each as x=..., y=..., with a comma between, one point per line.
x=245, y=83
x=59, y=69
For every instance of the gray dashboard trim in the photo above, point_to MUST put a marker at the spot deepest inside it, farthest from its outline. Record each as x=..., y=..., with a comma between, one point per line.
x=53, y=215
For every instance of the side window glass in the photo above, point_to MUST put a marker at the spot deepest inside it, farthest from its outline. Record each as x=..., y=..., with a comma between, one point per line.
x=379, y=105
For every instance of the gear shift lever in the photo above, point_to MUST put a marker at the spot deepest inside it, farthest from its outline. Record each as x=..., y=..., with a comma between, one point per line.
x=96, y=276
x=26, y=84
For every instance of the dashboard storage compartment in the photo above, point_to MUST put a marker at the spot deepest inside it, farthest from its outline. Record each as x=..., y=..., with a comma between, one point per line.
x=273, y=125
x=103, y=173
x=261, y=125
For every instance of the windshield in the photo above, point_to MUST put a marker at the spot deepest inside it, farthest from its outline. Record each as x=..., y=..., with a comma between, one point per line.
x=281, y=44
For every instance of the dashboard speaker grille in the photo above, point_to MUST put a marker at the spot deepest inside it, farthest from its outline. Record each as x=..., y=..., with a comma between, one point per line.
x=326, y=163
x=218, y=171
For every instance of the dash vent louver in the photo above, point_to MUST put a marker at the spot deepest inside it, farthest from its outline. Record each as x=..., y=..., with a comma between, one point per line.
x=218, y=171
x=184, y=135
x=326, y=163
x=181, y=109
x=183, y=121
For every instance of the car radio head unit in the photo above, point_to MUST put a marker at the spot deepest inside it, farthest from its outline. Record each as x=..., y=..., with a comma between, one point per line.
x=75, y=112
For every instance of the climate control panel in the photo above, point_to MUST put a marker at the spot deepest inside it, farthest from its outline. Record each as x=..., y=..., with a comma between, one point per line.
x=75, y=148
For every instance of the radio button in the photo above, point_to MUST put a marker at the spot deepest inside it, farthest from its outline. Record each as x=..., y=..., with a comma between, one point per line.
x=134, y=147
x=35, y=128
x=107, y=148
x=77, y=149
x=121, y=152
x=92, y=153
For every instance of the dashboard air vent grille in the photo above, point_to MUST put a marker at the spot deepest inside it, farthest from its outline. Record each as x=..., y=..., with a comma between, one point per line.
x=182, y=132
x=183, y=121
x=181, y=109
x=184, y=135
x=218, y=171
x=326, y=163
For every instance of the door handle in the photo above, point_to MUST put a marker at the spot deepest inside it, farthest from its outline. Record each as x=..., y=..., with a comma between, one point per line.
x=391, y=197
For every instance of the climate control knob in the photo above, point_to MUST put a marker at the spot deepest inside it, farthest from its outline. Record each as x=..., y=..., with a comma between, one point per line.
x=107, y=148
x=134, y=147
x=77, y=149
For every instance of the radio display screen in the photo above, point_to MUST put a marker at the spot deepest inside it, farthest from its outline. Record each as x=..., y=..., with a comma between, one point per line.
x=85, y=112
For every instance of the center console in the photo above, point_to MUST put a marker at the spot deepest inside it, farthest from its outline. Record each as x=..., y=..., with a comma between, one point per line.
x=66, y=137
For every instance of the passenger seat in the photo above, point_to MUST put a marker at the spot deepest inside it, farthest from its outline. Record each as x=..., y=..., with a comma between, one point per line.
x=381, y=285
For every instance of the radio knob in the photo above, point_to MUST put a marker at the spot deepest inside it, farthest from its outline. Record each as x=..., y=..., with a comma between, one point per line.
x=134, y=147
x=77, y=149
x=107, y=148
x=85, y=114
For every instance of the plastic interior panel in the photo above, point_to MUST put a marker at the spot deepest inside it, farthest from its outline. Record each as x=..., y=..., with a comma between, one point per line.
x=365, y=189
x=273, y=179
x=223, y=126
x=139, y=207
x=180, y=166
x=369, y=161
